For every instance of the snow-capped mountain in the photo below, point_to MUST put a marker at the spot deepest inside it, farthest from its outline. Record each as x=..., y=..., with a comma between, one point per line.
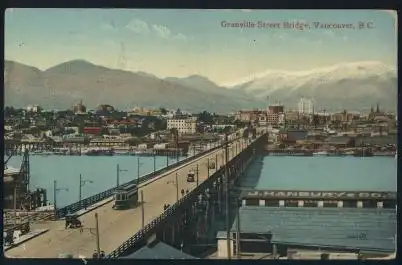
x=345, y=84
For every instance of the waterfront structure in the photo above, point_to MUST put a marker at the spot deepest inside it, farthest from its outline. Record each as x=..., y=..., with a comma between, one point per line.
x=183, y=124
x=319, y=228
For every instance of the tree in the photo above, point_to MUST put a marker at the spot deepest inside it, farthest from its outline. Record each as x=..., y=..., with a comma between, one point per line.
x=206, y=117
x=163, y=110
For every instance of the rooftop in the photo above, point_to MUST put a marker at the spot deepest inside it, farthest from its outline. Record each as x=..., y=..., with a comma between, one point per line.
x=10, y=170
x=159, y=251
x=343, y=228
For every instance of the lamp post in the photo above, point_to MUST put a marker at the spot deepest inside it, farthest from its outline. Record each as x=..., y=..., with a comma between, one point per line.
x=154, y=162
x=208, y=167
x=138, y=169
x=55, y=190
x=82, y=183
x=118, y=170
x=197, y=174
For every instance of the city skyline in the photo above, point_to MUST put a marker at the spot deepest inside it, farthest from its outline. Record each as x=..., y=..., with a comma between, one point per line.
x=187, y=42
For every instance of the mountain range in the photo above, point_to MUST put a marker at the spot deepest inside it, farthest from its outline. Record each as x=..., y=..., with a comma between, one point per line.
x=353, y=86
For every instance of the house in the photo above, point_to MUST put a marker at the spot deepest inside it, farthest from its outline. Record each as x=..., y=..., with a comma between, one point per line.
x=292, y=135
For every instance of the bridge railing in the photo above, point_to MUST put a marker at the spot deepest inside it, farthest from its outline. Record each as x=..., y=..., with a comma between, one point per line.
x=151, y=228
x=24, y=228
x=62, y=212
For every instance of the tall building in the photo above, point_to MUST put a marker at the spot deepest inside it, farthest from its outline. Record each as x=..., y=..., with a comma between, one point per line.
x=183, y=124
x=305, y=106
x=79, y=108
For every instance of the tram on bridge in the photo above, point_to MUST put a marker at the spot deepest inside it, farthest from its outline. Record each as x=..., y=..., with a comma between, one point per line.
x=125, y=197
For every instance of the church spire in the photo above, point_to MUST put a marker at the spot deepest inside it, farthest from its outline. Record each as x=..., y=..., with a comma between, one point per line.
x=378, y=108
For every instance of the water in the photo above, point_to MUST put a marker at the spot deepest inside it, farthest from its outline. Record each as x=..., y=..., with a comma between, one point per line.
x=102, y=170
x=322, y=173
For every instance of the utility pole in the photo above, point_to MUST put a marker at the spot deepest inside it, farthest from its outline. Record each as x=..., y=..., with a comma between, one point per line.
x=227, y=197
x=177, y=188
x=177, y=145
x=208, y=167
x=97, y=233
x=216, y=161
x=15, y=204
x=138, y=170
x=154, y=162
x=238, y=231
x=118, y=175
x=142, y=209
x=82, y=183
x=197, y=175
x=55, y=190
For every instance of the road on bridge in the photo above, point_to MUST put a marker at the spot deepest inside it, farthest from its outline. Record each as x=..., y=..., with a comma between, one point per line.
x=116, y=226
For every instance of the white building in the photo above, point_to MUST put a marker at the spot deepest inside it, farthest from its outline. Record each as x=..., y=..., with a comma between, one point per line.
x=305, y=106
x=33, y=108
x=184, y=125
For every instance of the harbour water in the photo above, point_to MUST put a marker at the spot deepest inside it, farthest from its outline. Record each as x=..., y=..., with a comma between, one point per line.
x=265, y=173
x=101, y=170
x=322, y=173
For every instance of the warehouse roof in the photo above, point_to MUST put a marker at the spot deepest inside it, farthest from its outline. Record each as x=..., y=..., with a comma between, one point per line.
x=158, y=251
x=342, y=228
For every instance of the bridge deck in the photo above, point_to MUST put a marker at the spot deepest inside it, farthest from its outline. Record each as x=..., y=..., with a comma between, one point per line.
x=115, y=226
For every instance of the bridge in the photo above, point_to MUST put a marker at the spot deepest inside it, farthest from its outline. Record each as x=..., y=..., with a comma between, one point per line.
x=123, y=232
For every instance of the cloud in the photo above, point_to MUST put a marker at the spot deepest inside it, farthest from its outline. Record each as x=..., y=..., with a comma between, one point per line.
x=107, y=26
x=162, y=31
x=138, y=26
x=180, y=36
x=142, y=27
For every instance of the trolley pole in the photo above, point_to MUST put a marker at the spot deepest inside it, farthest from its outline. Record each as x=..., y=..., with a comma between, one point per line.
x=142, y=209
x=80, y=194
x=118, y=170
x=138, y=170
x=15, y=205
x=154, y=162
x=97, y=233
x=177, y=188
x=117, y=176
x=238, y=231
x=197, y=175
x=54, y=195
x=208, y=167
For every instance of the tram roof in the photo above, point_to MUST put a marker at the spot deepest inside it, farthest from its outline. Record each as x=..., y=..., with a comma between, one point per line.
x=342, y=228
x=127, y=187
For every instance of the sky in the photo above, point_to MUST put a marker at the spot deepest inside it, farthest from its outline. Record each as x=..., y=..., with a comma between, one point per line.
x=180, y=43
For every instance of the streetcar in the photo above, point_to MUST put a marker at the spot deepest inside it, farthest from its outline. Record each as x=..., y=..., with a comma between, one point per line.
x=190, y=176
x=125, y=197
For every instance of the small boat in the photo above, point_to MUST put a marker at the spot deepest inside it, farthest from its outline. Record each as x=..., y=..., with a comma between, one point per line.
x=320, y=153
x=349, y=153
